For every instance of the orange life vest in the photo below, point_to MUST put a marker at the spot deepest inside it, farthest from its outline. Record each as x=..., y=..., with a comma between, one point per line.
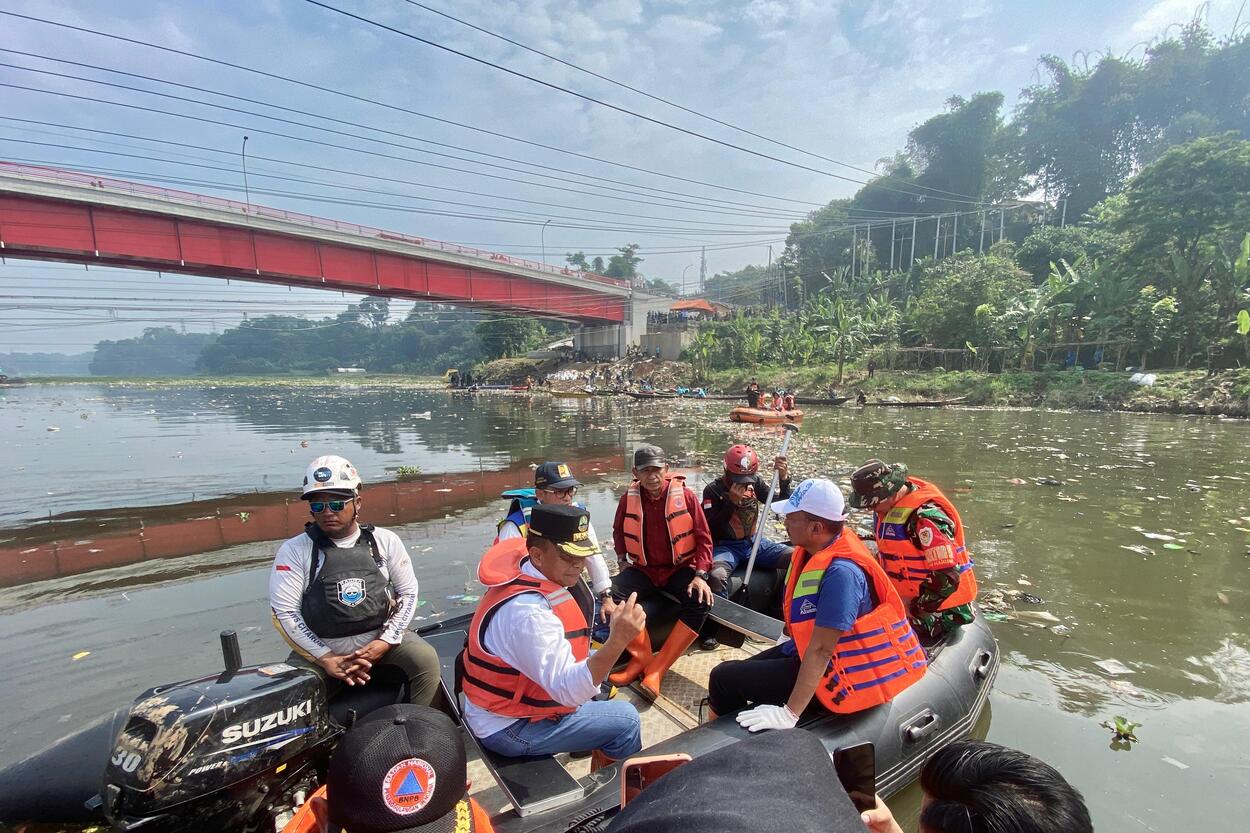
x=488, y=681
x=787, y=403
x=676, y=516
x=880, y=656
x=313, y=816
x=904, y=562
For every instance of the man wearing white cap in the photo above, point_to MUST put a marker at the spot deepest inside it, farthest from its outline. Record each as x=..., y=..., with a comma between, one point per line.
x=851, y=646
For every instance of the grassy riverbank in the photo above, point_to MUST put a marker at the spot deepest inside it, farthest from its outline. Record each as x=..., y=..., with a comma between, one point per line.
x=277, y=380
x=1181, y=391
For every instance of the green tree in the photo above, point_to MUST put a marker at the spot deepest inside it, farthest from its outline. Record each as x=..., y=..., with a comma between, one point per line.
x=505, y=335
x=375, y=310
x=944, y=311
x=160, y=351
x=624, y=264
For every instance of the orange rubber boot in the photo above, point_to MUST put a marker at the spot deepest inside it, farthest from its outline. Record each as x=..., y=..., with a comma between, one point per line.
x=678, y=641
x=598, y=760
x=640, y=657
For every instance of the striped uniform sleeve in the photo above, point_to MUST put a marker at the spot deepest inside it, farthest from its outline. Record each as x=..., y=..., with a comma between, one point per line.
x=403, y=581
x=287, y=582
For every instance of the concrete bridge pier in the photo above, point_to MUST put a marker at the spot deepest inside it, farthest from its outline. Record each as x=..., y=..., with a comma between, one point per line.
x=611, y=341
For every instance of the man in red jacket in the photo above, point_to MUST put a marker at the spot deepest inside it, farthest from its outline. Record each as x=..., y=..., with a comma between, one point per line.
x=662, y=543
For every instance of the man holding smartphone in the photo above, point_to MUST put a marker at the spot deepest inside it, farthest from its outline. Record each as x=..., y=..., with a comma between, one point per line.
x=851, y=646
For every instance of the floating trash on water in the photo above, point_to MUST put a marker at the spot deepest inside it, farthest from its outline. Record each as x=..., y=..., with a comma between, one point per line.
x=80, y=655
x=1061, y=630
x=443, y=490
x=1048, y=481
x=1222, y=597
x=1030, y=598
x=1154, y=536
x=995, y=616
x=303, y=444
x=1141, y=549
x=1016, y=481
x=243, y=516
x=1174, y=762
x=1024, y=582
x=1039, y=615
x=422, y=415
x=1170, y=546
x=52, y=428
x=1114, y=667
x=422, y=602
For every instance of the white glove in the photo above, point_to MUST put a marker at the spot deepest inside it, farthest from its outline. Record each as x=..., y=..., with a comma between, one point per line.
x=768, y=717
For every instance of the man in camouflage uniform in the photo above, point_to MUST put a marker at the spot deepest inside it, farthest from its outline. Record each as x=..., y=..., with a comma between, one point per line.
x=920, y=540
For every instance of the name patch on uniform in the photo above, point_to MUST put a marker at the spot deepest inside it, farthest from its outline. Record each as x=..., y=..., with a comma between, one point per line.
x=351, y=591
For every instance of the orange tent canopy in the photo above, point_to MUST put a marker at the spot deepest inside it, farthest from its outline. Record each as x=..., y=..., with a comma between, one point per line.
x=698, y=304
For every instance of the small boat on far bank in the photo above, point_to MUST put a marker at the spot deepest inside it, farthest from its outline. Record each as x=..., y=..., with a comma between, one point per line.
x=761, y=416
x=922, y=403
x=814, y=400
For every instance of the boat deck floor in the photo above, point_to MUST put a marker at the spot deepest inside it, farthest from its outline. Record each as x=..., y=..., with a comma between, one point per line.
x=680, y=707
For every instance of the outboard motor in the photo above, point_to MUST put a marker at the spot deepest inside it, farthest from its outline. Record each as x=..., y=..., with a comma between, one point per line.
x=219, y=753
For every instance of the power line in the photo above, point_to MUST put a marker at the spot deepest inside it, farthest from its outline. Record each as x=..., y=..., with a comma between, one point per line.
x=668, y=102
x=393, y=107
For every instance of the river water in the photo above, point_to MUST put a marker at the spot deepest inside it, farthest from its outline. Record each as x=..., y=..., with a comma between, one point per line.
x=1130, y=533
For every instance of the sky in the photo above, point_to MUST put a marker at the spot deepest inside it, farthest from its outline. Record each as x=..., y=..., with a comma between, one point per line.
x=841, y=79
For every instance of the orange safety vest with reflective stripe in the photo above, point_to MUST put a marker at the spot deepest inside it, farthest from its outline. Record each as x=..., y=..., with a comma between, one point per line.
x=313, y=816
x=904, y=562
x=488, y=681
x=676, y=516
x=880, y=656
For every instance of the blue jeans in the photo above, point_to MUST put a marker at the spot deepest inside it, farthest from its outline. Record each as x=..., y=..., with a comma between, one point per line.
x=737, y=553
x=612, y=726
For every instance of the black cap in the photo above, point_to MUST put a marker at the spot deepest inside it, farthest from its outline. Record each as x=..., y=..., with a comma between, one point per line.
x=755, y=785
x=400, y=769
x=554, y=476
x=649, y=455
x=568, y=527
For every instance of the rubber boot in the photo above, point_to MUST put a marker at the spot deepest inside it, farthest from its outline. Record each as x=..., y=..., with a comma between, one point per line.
x=640, y=657
x=598, y=760
x=678, y=641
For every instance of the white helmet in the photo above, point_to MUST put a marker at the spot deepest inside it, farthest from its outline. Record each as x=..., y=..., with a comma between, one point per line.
x=330, y=473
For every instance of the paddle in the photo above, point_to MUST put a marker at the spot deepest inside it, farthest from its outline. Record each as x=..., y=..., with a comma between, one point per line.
x=791, y=429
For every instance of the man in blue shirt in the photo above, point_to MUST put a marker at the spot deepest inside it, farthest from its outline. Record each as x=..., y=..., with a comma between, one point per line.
x=769, y=677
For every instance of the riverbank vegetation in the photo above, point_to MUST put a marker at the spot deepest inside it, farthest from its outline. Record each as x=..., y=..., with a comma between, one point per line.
x=1136, y=254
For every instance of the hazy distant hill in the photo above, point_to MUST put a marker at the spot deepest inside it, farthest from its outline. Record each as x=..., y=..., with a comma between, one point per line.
x=46, y=364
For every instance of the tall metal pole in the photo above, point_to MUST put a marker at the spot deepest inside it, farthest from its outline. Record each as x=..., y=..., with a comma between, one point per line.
x=955, y=235
x=702, y=268
x=1002, y=223
x=1063, y=215
x=981, y=245
x=683, y=278
x=542, y=237
x=893, y=242
x=854, y=244
x=912, y=260
x=937, y=229
x=247, y=193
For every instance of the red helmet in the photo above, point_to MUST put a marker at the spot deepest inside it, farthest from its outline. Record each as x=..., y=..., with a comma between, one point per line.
x=741, y=461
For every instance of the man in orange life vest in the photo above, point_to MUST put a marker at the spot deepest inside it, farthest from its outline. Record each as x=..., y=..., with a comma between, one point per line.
x=920, y=540
x=664, y=544
x=851, y=646
x=527, y=675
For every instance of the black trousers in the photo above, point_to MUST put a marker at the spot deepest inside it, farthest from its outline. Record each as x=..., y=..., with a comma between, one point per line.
x=634, y=580
x=766, y=678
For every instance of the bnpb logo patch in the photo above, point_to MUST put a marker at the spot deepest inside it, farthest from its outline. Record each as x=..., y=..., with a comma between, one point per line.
x=351, y=591
x=323, y=475
x=408, y=787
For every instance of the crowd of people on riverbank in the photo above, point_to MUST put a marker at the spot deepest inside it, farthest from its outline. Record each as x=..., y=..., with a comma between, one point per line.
x=531, y=682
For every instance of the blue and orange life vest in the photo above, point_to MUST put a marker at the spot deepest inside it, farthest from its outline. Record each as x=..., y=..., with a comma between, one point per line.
x=518, y=513
x=488, y=681
x=904, y=562
x=880, y=656
x=676, y=515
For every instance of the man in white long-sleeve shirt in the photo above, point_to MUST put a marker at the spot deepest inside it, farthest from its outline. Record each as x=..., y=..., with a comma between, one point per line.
x=527, y=675
x=554, y=483
x=343, y=594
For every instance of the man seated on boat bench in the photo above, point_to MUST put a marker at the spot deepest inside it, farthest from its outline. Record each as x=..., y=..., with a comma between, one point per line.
x=527, y=676
x=343, y=594
x=851, y=646
x=664, y=546
x=731, y=504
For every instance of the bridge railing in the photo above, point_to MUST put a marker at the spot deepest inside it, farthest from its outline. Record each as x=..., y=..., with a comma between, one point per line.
x=105, y=183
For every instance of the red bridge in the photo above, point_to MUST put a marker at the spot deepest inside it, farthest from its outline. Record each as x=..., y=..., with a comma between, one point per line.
x=49, y=214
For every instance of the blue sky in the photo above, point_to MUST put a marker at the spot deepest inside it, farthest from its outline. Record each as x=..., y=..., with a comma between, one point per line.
x=844, y=79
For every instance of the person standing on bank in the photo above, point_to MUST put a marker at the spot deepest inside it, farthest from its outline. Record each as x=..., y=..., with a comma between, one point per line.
x=554, y=483
x=527, y=677
x=920, y=539
x=664, y=544
x=850, y=646
x=342, y=593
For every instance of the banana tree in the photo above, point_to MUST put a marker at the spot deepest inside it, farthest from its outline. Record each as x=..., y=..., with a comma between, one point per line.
x=844, y=327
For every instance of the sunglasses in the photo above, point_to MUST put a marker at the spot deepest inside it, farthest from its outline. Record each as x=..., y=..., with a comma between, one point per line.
x=319, y=506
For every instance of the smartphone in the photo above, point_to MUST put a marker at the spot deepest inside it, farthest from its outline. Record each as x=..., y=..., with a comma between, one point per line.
x=639, y=773
x=857, y=770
